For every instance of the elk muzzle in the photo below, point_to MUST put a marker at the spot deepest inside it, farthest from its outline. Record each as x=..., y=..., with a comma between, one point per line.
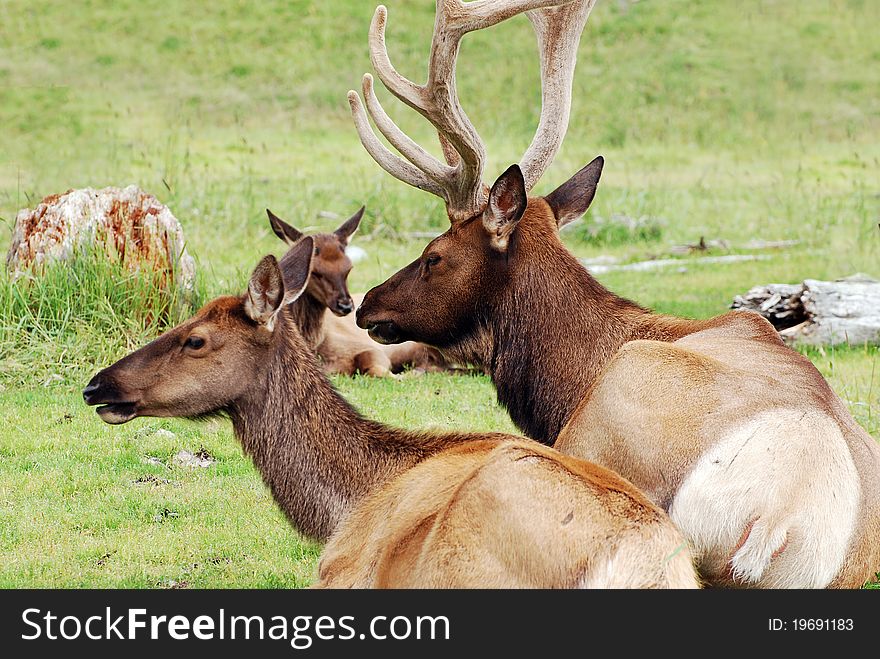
x=385, y=332
x=380, y=329
x=114, y=405
x=343, y=306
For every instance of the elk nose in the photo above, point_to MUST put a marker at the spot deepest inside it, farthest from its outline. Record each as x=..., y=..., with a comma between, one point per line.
x=93, y=388
x=359, y=316
x=344, y=306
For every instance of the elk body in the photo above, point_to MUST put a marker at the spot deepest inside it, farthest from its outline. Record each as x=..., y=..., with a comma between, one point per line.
x=322, y=313
x=398, y=509
x=737, y=436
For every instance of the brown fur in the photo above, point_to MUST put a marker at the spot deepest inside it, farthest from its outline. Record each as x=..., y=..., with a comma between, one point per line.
x=323, y=313
x=400, y=509
x=644, y=394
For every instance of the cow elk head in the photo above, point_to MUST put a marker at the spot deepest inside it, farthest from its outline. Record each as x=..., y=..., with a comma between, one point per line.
x=331, y=265
x=207, y=363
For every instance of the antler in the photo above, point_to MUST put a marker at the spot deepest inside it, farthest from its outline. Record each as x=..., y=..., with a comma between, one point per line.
x=459, y=182
x=558, y=30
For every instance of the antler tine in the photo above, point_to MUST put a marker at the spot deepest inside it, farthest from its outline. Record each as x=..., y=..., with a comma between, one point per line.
x=558, y=31
x=403, y=88
x=437, y=101
x=460, y=182
x=432, y=167
x=398, y=168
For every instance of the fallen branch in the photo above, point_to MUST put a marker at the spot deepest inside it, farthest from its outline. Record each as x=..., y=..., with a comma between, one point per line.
x=770, y=244
x=657, y=264
x=706, y=245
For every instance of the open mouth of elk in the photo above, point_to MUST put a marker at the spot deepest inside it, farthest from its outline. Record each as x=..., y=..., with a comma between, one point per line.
x=116, y=413
x=110, y=410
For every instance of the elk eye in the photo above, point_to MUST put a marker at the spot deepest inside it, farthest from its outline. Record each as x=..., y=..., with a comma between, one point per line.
x=194, y=342
x=434, y=259
x=317, y=275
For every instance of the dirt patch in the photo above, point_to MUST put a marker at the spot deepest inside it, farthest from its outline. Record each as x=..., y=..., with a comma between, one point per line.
x=165, y=513
x=103, y=560
x=203, y=454
x=149, y=479
x=200, y=459
x=173, y=585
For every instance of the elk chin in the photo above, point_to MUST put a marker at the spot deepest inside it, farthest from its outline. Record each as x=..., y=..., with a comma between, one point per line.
x=117, y=413
x=385, y=332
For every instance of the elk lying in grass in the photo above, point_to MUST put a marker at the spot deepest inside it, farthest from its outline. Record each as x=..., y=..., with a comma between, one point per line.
x=322, y=313
x=400, y=509
x=348, y=349
x=738, y=437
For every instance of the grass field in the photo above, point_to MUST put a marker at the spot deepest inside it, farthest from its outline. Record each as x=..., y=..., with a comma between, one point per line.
x=726, y=120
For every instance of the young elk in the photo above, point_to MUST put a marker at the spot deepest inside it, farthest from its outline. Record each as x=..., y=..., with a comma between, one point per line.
x=322, y=313
x=327, y=288
x=398, y=509
x=738, y=437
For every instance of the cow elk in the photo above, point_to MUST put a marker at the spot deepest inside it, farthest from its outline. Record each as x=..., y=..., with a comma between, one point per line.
x=737, y=436
x=397, y=508
x=327, y=288
x=323, y=312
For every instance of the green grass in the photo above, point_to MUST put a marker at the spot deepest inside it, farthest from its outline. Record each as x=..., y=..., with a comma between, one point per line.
x=81, y=506
x=726, y=120
x=87, y=310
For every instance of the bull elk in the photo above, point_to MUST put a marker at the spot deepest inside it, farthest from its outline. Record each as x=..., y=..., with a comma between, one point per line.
x=398, y=509
x=323, y=313
x=737, y=436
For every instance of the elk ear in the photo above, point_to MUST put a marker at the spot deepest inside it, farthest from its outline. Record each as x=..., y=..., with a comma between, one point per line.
x=348, y=228
x=572, y=199
x=507, y=203
x=282, y=229
x=265, y=292
x=296, y=268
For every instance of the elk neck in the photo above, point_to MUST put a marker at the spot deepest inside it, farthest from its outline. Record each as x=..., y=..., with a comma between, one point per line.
x=553, y=329
x=315, y=452
x=308, y=314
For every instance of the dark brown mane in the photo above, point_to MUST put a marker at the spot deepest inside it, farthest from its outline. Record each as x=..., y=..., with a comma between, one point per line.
x=579, y=317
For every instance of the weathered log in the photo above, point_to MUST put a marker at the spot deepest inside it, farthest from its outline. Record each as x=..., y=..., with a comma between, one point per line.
x=779, y=303
x=819, y=312
x=757, y=243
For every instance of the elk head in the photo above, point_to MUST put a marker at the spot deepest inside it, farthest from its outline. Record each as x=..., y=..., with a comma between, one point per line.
x=442, y=297
x=330, y=266
x=208, y=362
